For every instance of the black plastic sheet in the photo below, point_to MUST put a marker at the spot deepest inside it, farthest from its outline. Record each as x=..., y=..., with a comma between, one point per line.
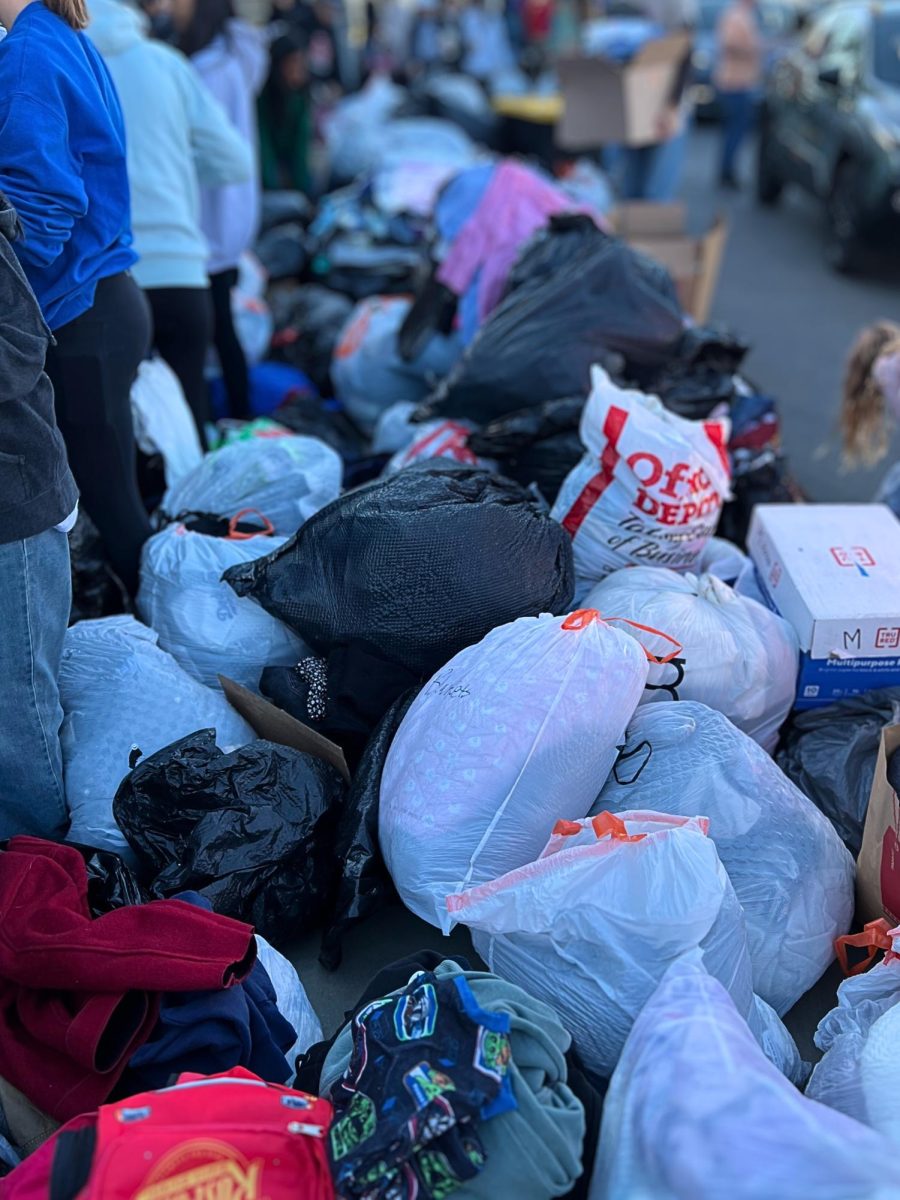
x=537, y=445
x=830, y=754
x=308, y=323
x=252, y=830
x=575, y=296
x=96, y=589
x=365, y=885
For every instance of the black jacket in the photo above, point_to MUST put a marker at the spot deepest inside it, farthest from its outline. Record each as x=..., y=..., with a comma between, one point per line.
x=37, y=490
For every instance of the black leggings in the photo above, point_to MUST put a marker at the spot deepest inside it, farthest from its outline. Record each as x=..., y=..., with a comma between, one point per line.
x=92, y=367
x=228, y=347
x=182, y=334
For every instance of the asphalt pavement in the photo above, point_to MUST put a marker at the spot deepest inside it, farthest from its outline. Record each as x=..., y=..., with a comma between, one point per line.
x=801, y=318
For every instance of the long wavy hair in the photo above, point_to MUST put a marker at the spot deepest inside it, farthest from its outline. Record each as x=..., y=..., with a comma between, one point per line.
x=73, y=12
x=863, y=411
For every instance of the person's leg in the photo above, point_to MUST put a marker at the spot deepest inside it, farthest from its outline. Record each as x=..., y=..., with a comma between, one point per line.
x=737, y=114
x=634, y=164
x=92, y=368
x=35, y=598
x=232, y=359
x=182, y=334
x=664, y=171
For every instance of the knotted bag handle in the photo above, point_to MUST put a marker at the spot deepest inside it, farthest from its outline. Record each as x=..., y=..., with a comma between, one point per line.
x=235, y=535
x=874, y=937
x=582, y=617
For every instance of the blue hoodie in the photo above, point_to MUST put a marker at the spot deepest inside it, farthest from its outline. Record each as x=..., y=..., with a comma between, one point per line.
x=62, y=162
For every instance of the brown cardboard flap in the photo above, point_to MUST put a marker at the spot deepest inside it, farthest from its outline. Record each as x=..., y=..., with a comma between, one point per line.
x=882, y=816
x=275, y=725
x=644, y=218
x=610, y=103
x=712, y=250
x=669, y=49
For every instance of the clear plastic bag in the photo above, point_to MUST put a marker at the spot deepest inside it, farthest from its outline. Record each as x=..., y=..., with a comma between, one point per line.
x=695, y=1112
x=512, y=734
x=200, y=621
x=591, y=927
x=287, y=479
x=791, y=873
x=118, y=691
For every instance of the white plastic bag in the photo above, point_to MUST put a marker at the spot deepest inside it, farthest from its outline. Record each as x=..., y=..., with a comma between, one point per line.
x=723, y=559
x=202, y=622
x=844, y=1034
x=368, y=373
x=650, y=488
x=286, y=479
x=438, y=439
x=119, y=690
x=591, y=927
x=790, y=870
x=738, y=657
x=394, y=430
x=511, y=735
x=163, y=423
x=291, y=999
x=695, y=1112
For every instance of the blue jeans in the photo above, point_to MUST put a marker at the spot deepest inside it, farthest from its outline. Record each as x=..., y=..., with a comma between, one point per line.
x=737, y=121
x=648, y=172
x=35, y=599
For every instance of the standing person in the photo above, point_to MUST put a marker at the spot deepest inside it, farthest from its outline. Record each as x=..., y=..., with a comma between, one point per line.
x=62, y=166
x=177, y=138
x=738, y=76
x=232, y=61
x=37, y=501
x=285, y=117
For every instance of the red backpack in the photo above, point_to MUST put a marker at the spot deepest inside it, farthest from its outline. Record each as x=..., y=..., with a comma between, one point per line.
x=229, y=1136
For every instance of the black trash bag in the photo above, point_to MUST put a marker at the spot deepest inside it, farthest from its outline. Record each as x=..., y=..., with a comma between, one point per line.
x=713, y=346
x=341, y=695
x=575, y=295
x=111, y=882
x=252, y=830
x=308, y=324
x=537, y=445
x=359, y=266
x=97, y=590
x=285, y=208
x=830, y=754
x=758, y=477
x=283, y=251
x=416, y=566
x=302, y=413
x=365, y=885
x=694, y=392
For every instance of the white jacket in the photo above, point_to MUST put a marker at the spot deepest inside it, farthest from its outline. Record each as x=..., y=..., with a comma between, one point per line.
x=178, y=137
x=234, y=68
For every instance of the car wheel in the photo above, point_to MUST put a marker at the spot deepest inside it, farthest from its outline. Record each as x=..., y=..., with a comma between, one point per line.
x=843, y=246
x=769, y=184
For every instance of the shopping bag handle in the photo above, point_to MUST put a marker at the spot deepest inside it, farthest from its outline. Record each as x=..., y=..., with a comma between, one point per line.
x=874, y=937
x=235, y=535
x=582, y=617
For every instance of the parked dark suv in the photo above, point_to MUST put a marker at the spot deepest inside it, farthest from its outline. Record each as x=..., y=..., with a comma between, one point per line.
x=831, y=122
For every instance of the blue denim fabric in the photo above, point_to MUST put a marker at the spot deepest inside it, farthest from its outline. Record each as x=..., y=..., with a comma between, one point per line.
x=35, y=598
x=648, y=172
x=737, y=109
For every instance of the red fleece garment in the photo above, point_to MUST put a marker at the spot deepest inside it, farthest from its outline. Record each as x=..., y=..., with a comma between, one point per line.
x=78, y=995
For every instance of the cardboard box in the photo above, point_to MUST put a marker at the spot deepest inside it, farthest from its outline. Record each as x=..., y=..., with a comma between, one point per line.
x=274, y=725
x=833, y=572
x=878, y=865
x=694, y=263
x=618, y=104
